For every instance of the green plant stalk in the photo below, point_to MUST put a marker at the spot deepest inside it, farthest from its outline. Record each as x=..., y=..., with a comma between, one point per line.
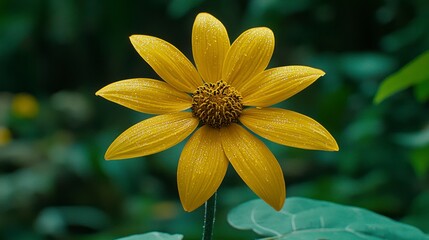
x=209, y=217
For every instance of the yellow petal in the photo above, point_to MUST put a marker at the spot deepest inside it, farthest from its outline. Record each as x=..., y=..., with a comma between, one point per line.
x=249, y=55
x=288, y=128
x=277, y=84
x=210, y=43
x=255, y=164
x=202, y=167
x=146, y=95
x=168, y=62
x=152, y=135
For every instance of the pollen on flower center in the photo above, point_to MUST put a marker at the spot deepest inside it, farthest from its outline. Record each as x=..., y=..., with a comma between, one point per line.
x=217, y=104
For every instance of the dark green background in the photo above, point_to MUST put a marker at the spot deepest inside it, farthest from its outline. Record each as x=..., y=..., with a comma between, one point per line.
x=55, y=184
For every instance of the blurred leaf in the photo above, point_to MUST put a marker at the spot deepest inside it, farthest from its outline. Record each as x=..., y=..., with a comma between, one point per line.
x=259, y=7
x=179, y=8
x=302, y=219
x=414, y=139
x=364, y=127
x=408, y=35
x=14, y=29
x=421, y=91
x=74, y=108
x=63, y=21
x=366, y=65
x=57, y=220
x=153, y=236
x=420, y=160
x=419, y=213
x=349, y=189
x=415, y=72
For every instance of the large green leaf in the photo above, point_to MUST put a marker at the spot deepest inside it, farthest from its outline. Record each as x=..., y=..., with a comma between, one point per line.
x=421, y=91
x=153, y=236
x=415, y=72
x=302, y=219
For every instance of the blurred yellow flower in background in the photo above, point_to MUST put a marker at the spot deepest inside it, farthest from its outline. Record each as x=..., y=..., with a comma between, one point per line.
x=229, y=85
x=25, y=105
x=5, y=136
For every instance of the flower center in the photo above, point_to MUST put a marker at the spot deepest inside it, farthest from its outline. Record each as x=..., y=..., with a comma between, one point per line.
x=217, y=104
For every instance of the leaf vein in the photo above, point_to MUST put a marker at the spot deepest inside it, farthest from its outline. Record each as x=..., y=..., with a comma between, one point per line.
x=252, y=217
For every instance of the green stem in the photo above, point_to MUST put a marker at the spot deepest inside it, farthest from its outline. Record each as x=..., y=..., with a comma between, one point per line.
x=209, y=217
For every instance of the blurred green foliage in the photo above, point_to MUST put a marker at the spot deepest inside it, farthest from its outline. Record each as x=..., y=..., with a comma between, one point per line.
x=54, y=55
x=413, y=74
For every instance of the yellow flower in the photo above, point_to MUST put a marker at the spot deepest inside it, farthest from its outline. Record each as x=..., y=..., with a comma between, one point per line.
x=25, y=105
x=228, y=86
x=5, y=136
